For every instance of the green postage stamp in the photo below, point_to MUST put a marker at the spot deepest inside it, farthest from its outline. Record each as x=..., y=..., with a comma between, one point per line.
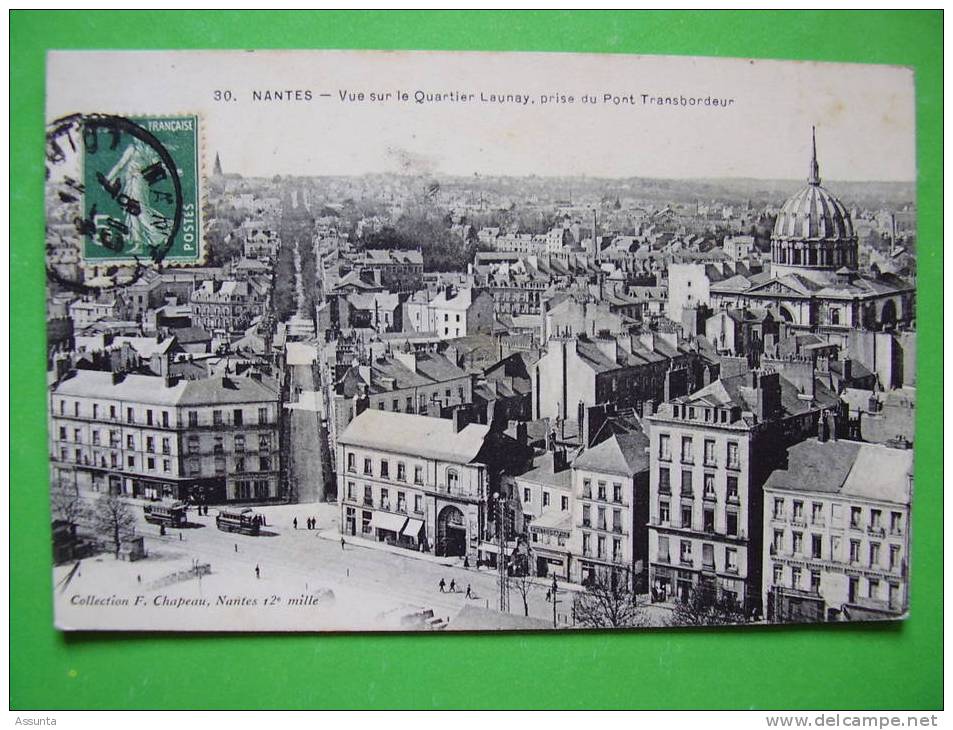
x=138, y=187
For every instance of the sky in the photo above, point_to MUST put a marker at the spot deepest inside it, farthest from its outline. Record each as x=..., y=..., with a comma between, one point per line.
x=864, y=115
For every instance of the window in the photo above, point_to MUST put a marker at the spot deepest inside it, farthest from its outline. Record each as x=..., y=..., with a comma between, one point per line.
x=130, y=441
x=238, y=417
x=216, y=418
x=855, y=551
x=663, y=554
x=815, y=581
x=385, y=498
x=894, y=556
x=817, y=513
x=797, y=542
x=166, y=445
x=836, y=515
x=686, y=484
x=165, y=419
x=685, y=551
x=401, y=502
x=218, y=447
x=778, y=574
x=350, y=491
x=896, y=523
x=616, y=492
x=600, y=547
x=686, y=517
x=795, y=577
x=586, y=516
x=708, y=556
x=710, y=486
x=418, y=475
x=148, y=417
x=112, y=411
x=602, y=491
x=798, y=511
x=664, y=447
x=815, y=546
x=63, y=433
x=835, y=547
x=664, y=511
x=616, y=549
x=385, y=469
x=453, y=479
x=873, y=588
x=150, y=444
x=95, y=411
x=733, y=461
x=586, y=547
x=601, y=518
x=731, y=560
x=874, y=554
x=664, y=480
x=130, y=461
x=587, y=488
x=731, y=524
x=193, y=419
x=262, y=415
x=368, y=469
x=875, y=519
x=418, y=503
x=368, y=495
x=564, y=503
x=855, y=517
x=709, y=519
x=350, y=463
x=545, y=498
x=130, y=416
x=731, y=490
x=166, y=466
x=687, y=456
x=401, y=471
x=709, y=451
x=96, y=438
x=778, y=543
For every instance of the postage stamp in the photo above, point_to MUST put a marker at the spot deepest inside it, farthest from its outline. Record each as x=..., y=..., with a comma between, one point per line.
x=132, y=185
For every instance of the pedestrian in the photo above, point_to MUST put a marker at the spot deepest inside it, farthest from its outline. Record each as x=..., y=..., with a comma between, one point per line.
x=466, y=562
x=295, y=522
x=236, y=547
x=442, y=585
x=468, y=591
x=162, y=530
x=453, y=586
x=342, y=543
x=549, y=594
x=257, y=572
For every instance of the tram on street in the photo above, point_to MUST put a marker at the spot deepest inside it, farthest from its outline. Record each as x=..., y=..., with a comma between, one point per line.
x=170, y=515
x=244, y=521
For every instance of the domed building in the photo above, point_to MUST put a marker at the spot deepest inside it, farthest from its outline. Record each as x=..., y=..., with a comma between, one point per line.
x=813, y=281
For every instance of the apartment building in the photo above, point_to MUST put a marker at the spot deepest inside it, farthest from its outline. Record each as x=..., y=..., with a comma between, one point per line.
x=837, y=524
x=711, y=453
x=151, y=437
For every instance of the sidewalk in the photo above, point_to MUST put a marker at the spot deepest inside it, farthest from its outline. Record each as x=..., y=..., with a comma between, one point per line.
x=449, y=562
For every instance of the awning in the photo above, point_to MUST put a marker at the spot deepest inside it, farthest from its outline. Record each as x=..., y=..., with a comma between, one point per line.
x=388, y=521
x=413, y=528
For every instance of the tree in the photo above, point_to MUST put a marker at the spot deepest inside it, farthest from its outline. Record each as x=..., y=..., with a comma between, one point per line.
x=67, y=505
x=524, y=586
x=705, y=608
x=608, y=603
x=114, y=518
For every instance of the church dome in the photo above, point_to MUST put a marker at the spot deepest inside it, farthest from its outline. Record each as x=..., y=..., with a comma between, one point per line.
x=813, y=230
x=813, y=214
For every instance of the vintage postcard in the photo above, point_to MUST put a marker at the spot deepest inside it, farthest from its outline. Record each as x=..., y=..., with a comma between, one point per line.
x=375, y=341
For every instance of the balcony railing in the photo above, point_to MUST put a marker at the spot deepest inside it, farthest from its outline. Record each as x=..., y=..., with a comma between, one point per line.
x=876, y=531
x=686, y=560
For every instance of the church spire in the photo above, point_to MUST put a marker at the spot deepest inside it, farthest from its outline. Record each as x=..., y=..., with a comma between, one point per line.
x=217, y=170
x=815, y=178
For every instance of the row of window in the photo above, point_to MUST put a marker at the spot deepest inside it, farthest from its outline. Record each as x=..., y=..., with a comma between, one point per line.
x=602, y=491
x=793, y=577
x=547, y=499
x=687, y=489
x=400, y=475
x=601, y=523
x=874, y=549
x=158, y=419
x=687, y=517
x=600, y=544
x=874, y=523
x=422, y=400
x=384, y=499
x=685, y=556
x=709, y=453
x=252, y=489
x=115, y=461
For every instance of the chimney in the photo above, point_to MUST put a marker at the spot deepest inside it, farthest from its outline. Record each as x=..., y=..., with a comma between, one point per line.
x=522, y=435
x=560, y=461
x=461, y=419
x=582, y=418
x=170, y=380
x=118, y=377
x=846, y=366
x=822, y=428
x=648, y=408
x=676, y=384
x=408, y=358
x=769, y=395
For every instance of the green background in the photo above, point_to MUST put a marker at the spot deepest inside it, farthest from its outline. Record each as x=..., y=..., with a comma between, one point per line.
x=846, y=667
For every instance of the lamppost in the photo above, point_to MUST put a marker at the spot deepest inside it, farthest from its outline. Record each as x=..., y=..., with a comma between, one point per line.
x=501, y=540
x=554, y=599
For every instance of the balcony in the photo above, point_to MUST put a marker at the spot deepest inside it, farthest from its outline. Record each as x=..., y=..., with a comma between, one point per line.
x=686, y=561
x=385, y=504
x=368, y=502
x=734, y=465
x=618, y=529
x=798, y=521
x=876, y=531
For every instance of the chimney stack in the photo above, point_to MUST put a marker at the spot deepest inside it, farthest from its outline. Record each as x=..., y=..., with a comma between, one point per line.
x=461, y=419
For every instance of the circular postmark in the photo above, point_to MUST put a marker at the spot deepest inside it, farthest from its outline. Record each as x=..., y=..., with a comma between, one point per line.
x=114, y=201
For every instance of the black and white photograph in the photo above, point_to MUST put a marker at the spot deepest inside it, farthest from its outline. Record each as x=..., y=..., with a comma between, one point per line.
x=431, y=341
